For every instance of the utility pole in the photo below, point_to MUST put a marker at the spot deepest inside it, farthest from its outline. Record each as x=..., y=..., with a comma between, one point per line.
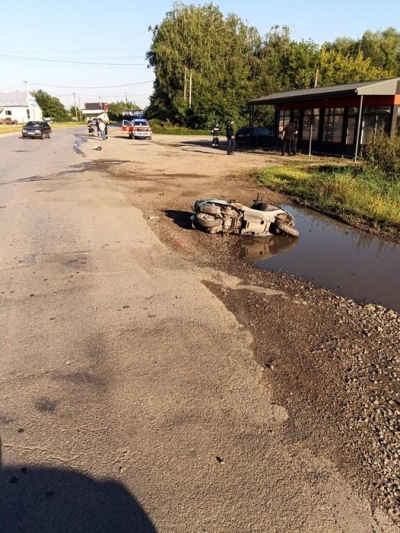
x=76, y=109
x=316, y=77
x=31, y=105
x=190, y=88
x=312, y=116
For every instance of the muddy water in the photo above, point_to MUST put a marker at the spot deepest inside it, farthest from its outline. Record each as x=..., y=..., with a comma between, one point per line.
x=333, y=255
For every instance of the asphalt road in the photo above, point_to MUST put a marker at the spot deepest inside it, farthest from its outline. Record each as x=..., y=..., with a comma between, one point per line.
x=129, y=396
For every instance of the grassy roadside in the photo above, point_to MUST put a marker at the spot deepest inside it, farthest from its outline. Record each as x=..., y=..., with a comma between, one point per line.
x=348, y=191
x=10, y=129
x=169, y=129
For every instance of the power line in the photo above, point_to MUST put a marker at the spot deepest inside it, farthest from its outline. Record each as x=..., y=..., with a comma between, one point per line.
x=78, y=51
x=74, y=62
x=103, y=87
x=105, y=96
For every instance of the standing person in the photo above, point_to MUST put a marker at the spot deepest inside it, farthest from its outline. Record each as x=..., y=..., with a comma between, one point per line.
x=105, y=118
x=102, y=128
x=90, y=126
x=287, y=138
x=106, y=121
x=230, y=134
x=215, y=133
x=295, y=138
x=97, y=122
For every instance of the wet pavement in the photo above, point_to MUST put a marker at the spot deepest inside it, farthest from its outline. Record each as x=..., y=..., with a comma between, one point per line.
x=333, y=255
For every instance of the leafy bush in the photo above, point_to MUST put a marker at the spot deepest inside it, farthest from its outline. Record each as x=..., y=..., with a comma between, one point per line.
x=382, y=154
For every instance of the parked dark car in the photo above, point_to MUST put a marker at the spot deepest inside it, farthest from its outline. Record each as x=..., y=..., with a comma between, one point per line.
x=36, y=129
x=257, y=136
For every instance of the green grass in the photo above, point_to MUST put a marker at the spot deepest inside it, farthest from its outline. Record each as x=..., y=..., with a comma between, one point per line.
x=348, y=191
x=60, y=125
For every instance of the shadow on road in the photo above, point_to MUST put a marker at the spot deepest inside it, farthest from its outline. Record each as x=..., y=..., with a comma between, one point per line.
x=45, y=500
x=261, y=150
x=181, y=218
x=203, y=143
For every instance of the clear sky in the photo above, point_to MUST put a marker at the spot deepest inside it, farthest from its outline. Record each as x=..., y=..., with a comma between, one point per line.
x=88, y=50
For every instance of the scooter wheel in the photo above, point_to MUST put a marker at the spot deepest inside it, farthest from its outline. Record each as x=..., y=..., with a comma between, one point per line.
x=210, y=209
x=287, y=228
x=207, y=221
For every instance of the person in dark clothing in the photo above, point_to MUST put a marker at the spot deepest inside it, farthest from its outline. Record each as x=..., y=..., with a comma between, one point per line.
x=287, y=137
x=295, y=138
x=90, y=125
x=230, y=135
x=215, y=133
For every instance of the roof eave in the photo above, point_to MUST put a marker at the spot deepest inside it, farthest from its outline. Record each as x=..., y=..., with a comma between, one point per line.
x=321, y=96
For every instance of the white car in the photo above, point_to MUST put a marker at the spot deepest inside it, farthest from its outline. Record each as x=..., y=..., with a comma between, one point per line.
x=140, y=129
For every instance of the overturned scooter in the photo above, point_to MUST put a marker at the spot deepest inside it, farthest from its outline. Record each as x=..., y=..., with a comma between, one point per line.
x=220, y=216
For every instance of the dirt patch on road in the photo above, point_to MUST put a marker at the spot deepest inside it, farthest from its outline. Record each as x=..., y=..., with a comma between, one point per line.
x=334, y=364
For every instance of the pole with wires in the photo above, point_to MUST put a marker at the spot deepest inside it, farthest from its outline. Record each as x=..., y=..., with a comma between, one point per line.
x=76, y=109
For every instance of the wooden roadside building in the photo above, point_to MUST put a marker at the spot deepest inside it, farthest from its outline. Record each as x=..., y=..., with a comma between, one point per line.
x=336, y=120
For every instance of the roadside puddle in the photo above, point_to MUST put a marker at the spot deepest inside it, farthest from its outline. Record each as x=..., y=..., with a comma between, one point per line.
x=333, y=255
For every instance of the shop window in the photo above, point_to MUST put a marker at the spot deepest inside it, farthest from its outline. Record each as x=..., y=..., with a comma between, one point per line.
x=351, y=130
x=383, y=110
x=310, y=118
x=333, y=125
x=398, y=121
x=353, y=111
x=284, y=118
x=374, y=118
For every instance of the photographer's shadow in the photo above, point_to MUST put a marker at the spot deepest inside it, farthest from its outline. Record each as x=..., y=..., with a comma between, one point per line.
x=45, y=500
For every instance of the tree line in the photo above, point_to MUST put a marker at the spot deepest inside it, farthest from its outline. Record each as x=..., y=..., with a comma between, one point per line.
x=53, y=108
x=208, y=67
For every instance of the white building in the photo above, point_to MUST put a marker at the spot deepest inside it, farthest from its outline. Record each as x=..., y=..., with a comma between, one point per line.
x=20, y=106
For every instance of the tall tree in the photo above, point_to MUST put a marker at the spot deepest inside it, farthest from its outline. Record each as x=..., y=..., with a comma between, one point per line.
x=380, y=49
x=51, y=106
x=383, y=49
x=336, y=68
x=344, y=45
x=202, y=63
x=284, y=63
x=75, y=113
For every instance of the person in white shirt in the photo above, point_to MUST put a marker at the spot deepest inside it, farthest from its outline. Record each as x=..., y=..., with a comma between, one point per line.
x=102, y=128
